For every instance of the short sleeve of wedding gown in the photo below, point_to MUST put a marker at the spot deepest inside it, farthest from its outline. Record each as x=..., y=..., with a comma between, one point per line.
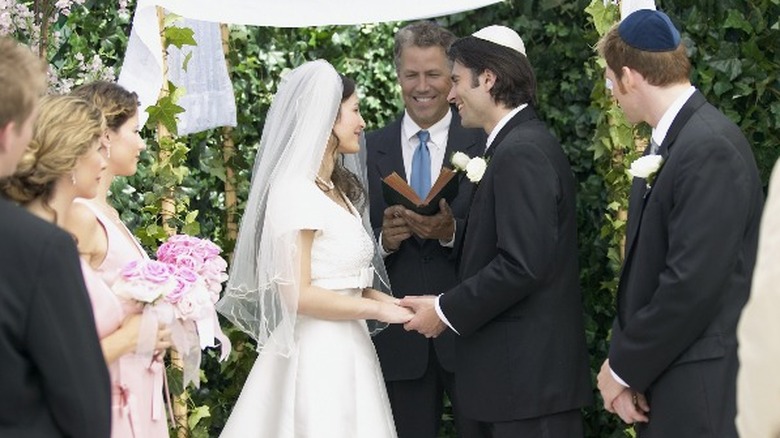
x=295, y=206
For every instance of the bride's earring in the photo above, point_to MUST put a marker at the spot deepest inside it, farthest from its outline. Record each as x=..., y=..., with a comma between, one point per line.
x=73, y=177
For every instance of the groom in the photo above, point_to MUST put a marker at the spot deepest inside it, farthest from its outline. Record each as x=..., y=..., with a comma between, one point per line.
x=521, y=364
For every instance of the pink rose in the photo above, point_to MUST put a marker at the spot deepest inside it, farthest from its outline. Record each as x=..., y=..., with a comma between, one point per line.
x=157, y=272
x=131, y=271
x=185, y=307
x=187, y=261
x=194, y=305
x=178, y=292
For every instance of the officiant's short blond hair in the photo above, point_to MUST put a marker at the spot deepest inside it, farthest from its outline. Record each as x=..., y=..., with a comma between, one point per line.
x=22, y=82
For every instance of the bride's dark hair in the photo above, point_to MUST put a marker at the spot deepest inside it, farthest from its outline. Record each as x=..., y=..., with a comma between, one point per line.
x=342, y=178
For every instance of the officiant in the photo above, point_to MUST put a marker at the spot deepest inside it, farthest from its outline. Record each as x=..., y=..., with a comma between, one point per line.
x=417, y=370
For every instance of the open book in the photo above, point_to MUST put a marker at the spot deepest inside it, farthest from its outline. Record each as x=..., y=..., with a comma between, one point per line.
x=396, y=191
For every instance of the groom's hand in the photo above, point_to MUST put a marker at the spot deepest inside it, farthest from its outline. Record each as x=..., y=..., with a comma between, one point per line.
x=425, y=320
x=609, y=387
x=440, y=226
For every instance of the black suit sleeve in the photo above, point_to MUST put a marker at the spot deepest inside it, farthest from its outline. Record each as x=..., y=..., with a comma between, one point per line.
x=63, y=342
x=706, y=226
x=526, y=190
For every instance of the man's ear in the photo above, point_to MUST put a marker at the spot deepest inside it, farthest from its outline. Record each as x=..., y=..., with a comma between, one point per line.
x=630, y=79
x=488, y=78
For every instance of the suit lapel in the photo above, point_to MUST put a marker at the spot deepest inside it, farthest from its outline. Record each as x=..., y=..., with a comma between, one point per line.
x=691, y=106
x=389, y=156
x=526, y=114
x=639, y=193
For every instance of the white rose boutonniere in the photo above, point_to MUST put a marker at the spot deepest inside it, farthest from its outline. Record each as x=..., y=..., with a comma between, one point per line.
x=474, y=167
x=646, y=167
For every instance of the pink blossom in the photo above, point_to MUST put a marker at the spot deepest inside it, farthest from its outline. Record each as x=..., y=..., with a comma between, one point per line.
x=145, y=281
x=157, y=272
x=131, y=271
x=186, y=261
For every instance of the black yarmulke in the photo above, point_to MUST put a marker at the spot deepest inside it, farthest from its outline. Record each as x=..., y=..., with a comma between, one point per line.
x=649, y=30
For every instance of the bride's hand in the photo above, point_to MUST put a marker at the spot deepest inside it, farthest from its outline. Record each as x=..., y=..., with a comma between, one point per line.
x=394, y=314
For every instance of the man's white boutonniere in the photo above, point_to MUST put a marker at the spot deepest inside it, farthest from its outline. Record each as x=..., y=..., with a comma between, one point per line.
x=474, y=167
x=646, y=167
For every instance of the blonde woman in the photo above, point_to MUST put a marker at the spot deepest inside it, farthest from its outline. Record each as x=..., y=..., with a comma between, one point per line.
x=66, y=159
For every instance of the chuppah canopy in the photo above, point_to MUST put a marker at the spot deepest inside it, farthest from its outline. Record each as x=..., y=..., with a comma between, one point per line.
x=209, y=101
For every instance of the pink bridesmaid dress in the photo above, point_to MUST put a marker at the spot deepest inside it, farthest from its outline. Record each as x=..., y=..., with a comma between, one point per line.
x=139, y=383
x=108, y=318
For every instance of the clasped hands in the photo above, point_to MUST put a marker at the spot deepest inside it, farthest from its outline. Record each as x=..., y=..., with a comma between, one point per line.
x=416, y=313
x=399, y=224
x=631, y=406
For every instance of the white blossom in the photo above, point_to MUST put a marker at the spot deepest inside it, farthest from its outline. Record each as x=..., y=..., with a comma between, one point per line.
x=460, y=160
x=475, y=169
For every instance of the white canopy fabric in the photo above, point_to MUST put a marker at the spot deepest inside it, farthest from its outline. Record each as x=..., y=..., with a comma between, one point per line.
x=629, y=6
x=143, y=63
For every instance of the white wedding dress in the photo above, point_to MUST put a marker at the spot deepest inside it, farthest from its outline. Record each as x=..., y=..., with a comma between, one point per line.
x=331, y=386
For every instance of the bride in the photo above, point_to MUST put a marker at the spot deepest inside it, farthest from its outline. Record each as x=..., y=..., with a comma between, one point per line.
x=306, y=274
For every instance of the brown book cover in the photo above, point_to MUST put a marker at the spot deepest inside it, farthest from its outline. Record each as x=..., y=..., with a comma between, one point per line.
x=396, y=191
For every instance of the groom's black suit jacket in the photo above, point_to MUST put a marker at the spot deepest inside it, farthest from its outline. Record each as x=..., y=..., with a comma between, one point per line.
x=690, y=250
x=419, y=266
x=521, y=351
x=53, y=377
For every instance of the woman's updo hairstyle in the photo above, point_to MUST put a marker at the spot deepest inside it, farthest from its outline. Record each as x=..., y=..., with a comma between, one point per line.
x=116, y=103
x=66, y=128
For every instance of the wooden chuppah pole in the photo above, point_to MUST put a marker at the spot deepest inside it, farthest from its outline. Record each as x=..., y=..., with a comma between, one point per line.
x=167, y=211
x=228, y=152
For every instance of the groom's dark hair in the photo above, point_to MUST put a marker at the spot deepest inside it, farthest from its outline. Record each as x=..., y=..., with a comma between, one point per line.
x=515, y=79
x=421, y=34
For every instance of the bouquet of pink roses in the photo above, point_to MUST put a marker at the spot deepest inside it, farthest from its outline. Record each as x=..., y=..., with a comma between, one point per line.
x=179, y=289
x=200, y=255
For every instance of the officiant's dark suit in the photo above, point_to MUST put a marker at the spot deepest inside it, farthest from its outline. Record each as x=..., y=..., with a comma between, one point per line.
x=521, y=357
x=52, y=373
x=419, y=266
x=690, y=242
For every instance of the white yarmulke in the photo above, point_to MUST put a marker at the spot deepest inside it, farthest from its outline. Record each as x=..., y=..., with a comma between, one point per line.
x=502, y=36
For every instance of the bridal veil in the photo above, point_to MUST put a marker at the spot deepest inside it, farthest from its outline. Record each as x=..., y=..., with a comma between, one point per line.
x=261, y=296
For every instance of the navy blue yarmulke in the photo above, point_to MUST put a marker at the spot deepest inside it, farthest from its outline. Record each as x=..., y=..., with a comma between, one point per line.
x=649, y=30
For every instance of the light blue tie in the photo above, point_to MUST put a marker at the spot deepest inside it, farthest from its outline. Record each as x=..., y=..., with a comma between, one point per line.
x=421, y=166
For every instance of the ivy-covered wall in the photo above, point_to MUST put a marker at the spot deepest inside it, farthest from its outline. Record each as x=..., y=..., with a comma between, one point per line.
x=732, y=44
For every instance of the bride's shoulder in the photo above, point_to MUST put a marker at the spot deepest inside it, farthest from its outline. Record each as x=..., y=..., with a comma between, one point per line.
x=296, y=199
x=298, y=191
